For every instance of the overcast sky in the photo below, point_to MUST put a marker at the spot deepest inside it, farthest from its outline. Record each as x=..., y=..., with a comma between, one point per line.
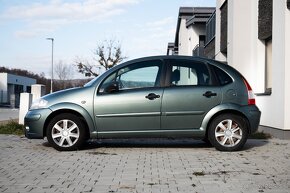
x=144, y=27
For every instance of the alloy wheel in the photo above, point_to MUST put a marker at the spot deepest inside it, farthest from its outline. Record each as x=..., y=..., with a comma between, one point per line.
x=65, y=133
x=228, y=133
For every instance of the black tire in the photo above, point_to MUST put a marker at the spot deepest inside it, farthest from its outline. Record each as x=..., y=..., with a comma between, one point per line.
x=207, y=142
x=228, y=132
x=66, y=132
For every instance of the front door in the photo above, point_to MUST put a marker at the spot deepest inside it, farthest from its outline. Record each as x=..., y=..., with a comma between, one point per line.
x=135, y=102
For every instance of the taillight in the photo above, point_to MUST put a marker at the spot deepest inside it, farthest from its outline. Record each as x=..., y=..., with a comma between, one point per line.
x=251, y=95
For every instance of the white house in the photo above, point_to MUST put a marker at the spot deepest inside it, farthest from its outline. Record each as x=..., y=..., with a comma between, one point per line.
x=12, y=85
x=258, y=45
x=253, y=36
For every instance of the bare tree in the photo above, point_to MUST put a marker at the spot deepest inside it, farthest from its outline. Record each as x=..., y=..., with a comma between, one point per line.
x=63, y=71
x=64, y=74
x=107, y=54
x=86, y=68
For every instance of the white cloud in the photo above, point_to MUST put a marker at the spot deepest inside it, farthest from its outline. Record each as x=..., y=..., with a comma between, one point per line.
x=161, y=23
x=40, y=17
x=30, y=33
x=158, y=33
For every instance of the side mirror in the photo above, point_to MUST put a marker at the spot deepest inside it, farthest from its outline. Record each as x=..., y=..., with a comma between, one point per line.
x=113, y=87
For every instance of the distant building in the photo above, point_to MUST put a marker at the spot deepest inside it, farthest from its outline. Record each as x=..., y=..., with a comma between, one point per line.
x=12, y=85
x=190, y=31
x=171, y=49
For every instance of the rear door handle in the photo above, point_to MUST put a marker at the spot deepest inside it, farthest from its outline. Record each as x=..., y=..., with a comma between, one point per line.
x=209, y=94
x=152, y=96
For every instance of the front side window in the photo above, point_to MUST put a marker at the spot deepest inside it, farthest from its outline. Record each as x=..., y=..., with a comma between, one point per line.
x=189, y=73
x=137, y=78
x=138, y=75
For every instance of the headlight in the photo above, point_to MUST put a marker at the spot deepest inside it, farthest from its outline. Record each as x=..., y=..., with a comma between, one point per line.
x=38, y=104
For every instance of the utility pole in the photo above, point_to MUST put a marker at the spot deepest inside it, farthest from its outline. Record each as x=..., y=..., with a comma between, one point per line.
x=51, y=80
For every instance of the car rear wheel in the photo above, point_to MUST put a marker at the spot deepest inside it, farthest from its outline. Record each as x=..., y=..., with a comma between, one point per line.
x=228, y=132
x=66, y=132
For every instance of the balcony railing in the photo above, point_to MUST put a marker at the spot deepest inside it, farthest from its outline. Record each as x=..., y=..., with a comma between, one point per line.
x=198, y=51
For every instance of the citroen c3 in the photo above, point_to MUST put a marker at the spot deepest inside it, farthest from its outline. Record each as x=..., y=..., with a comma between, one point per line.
x=158, y=96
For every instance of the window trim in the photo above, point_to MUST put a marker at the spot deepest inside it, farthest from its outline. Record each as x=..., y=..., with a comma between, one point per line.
x=268, y=92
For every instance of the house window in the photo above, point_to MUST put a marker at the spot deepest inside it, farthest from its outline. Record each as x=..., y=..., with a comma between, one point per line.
x=224, y=27
x=265, y=35
x=28, y=89
x=268, y=44
x=265, y=19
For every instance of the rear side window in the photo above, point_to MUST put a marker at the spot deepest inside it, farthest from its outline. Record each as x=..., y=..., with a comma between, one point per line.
x=223, y=77
x=189, y=73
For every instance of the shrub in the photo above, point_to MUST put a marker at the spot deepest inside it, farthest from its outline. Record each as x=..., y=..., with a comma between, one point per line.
x=12, y=127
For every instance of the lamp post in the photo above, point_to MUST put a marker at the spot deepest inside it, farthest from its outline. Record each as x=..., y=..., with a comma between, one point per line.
x=51, y=80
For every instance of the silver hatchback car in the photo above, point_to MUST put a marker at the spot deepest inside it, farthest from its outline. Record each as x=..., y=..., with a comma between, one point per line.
x=160, y=96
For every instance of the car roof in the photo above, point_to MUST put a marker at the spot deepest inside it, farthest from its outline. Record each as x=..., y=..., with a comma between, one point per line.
x=219, y=64
x=163, y=57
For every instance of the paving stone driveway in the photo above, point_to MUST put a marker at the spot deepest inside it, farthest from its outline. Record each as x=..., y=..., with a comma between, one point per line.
x=143, y=166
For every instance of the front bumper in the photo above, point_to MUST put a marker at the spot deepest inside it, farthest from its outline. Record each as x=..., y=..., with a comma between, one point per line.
x=34, y=123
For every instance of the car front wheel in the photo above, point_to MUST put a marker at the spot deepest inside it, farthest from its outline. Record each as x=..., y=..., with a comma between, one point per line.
x=66, y=132
x=228, y=132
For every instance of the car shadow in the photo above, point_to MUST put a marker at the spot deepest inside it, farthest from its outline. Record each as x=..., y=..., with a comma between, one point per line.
x=252, y=143
x=145, y=143
x=162, y=143
x=158, y=143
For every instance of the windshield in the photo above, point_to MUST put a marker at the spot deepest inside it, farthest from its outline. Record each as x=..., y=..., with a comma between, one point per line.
x=91, y=82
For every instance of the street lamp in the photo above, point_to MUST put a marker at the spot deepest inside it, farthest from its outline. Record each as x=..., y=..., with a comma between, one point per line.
x=51, y=63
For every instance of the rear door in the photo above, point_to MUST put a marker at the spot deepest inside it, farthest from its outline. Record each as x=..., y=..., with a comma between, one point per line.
x=190, y=94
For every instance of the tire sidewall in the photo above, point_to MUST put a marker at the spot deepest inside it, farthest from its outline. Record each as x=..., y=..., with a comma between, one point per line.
x=242, y=124
x=72, y=118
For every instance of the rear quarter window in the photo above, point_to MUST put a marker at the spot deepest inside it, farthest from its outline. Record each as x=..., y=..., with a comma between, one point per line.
x=222, y=76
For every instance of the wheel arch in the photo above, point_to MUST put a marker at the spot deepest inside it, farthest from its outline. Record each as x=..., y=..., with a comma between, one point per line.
x=223, y=109
x=72, y=109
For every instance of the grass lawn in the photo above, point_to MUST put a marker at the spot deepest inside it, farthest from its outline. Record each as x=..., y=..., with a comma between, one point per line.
x=11, y=127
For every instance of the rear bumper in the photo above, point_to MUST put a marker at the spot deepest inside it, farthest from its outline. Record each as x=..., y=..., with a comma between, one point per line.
x=253, y=115
x=34, y=123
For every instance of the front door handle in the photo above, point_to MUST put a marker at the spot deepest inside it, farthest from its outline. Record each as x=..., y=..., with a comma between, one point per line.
x=152, y=96
x=209, y=94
